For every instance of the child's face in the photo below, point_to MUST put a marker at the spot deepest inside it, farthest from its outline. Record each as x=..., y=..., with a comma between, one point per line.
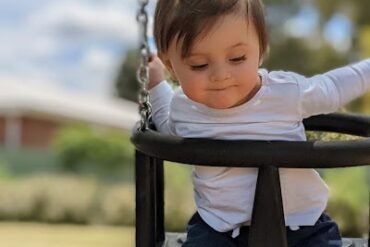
x=221, y=70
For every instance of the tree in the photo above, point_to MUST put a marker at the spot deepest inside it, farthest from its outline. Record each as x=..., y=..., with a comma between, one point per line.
x=358, y=12
x=126, y=84
x=84, y=150
x=296, y=54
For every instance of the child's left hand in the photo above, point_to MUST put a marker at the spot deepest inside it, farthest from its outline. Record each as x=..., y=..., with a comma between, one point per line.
x=156, y=71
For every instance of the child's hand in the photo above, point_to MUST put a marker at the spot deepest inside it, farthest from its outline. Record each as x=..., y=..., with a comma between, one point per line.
x=156, y=71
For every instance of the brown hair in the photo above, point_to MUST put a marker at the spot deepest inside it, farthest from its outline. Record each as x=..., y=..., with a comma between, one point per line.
x=185, y=20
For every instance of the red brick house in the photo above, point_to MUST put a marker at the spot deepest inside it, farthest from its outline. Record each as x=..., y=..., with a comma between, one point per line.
x=30, y=116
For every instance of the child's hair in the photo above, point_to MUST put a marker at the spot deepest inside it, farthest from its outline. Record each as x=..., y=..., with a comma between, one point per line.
x=185, y=20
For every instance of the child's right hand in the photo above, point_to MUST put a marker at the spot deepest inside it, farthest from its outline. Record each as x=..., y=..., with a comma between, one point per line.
x=156, y=71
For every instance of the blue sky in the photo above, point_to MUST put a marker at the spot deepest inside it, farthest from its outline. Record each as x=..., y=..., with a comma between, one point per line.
x=78, y=45
x=73, y=44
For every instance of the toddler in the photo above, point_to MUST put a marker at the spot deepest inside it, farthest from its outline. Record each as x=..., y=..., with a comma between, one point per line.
x=214, y=49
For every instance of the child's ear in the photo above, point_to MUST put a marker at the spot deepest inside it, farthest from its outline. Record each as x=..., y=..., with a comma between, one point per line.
x=167, y=62
x=261, y=62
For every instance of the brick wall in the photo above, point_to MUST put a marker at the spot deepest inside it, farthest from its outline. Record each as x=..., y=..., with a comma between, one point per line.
x=37, y=132
x=2, y=130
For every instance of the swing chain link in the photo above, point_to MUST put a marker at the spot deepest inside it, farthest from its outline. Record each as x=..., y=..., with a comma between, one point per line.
x=145, y=108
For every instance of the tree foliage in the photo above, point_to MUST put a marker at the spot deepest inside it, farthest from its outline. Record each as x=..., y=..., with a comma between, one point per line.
x=126, y=84
x=82, y=149
x=293, y=55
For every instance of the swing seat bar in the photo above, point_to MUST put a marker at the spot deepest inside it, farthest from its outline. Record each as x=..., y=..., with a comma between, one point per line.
x=254, y=153
x=268, y=227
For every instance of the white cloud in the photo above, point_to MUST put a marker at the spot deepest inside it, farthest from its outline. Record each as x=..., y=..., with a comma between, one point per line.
x=74, y=44
x=98, y=60
x=79, y=20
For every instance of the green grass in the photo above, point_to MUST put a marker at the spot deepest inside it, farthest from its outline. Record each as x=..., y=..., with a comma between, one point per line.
x=45, y=235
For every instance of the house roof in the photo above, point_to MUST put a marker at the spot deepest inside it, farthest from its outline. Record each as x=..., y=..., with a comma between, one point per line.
x=20, y=98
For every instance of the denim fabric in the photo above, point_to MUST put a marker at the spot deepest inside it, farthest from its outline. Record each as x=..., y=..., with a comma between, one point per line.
x=324, y=233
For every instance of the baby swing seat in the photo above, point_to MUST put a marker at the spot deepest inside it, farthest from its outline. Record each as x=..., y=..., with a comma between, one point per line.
x=267, y=226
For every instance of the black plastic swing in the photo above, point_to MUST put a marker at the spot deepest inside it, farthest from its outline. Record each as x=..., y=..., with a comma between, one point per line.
x=267, y=227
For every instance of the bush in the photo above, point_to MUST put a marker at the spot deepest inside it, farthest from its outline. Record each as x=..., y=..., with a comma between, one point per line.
x=18, y=201
x=67, y=199
x=82, y=149
x=5, y=172
x=348, y=204
x=73, y=199
x=118, y=205
x=47, y=199
x=179, y=203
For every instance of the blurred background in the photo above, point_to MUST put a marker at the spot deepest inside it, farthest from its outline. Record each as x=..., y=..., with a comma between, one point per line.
x=67, y=107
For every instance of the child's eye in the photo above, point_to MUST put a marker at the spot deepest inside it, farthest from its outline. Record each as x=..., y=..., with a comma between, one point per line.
x=198, y=67
x=238, y=59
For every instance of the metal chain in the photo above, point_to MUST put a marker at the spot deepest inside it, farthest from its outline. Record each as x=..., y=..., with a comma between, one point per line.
x=145, y=108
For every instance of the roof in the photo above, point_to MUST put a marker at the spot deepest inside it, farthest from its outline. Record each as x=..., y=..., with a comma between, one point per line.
x=20, y=98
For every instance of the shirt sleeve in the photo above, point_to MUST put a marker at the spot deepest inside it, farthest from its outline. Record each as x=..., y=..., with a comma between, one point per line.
x=325, y=93
x=160, y=99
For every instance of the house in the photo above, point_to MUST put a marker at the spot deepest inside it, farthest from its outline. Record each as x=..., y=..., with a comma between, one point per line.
x=30, y=116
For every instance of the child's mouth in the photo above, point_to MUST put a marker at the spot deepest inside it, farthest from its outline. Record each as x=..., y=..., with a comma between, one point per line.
x=221, y=88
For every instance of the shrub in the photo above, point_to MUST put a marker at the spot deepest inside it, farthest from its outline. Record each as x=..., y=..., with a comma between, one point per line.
x=179, y=203
x=118, y=205
x=67, y=199
x=82, y=149
x=47, y=199
x=348, y=203
x=5, y=172
x=18, y=201
x=75, y=199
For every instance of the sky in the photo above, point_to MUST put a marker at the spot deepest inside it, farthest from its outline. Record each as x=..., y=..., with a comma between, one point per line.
x=78, y=45
x=73, y=44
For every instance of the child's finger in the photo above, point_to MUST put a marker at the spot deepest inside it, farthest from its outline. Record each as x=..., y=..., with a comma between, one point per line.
x=151, y=57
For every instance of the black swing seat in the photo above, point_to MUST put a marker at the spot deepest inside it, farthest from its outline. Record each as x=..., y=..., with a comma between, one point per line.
x=267, y=226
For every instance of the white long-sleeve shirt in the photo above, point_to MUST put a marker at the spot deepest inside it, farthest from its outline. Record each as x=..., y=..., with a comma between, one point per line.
x=224, y=195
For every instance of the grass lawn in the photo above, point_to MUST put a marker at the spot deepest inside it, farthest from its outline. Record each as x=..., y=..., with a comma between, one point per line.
x=45, y=235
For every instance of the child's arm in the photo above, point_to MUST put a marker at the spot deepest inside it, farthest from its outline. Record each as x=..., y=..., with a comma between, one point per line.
x=160, y=94
x=327, y=92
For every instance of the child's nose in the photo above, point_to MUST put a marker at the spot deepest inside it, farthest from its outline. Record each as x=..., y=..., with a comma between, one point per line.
x=220, y=74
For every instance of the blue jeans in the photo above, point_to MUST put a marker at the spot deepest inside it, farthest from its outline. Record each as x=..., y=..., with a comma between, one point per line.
x=324, y=233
